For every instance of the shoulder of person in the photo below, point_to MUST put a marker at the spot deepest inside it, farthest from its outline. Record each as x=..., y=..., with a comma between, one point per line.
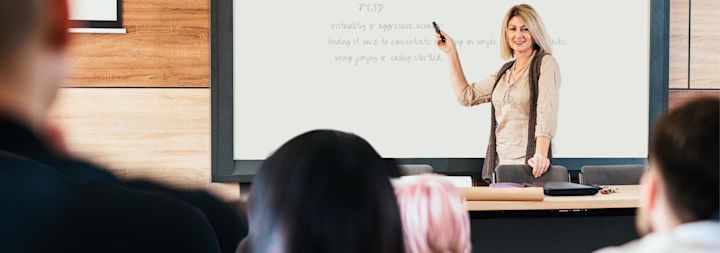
x=136, y=214
x=34, y=204
x=24, y=172
x=631, y=247
x=83, y=171
x=196, y=198
x=549, y=61
x=130, y=200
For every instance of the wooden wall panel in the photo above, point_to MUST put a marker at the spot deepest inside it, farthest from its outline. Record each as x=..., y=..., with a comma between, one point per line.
x=705, y=44
x=161, y=134
x=678, y=97
x=166, y=45
x=679, y=43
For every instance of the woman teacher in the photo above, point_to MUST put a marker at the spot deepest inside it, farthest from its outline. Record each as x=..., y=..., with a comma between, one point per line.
x=523, y=94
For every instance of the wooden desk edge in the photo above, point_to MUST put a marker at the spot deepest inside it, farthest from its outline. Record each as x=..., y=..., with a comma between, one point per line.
x=541, y=205
x=628, y=197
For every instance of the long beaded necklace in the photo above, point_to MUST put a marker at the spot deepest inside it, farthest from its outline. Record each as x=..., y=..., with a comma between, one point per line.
x=511, y=82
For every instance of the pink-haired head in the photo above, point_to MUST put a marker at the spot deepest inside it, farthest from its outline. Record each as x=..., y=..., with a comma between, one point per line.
x=434, y=215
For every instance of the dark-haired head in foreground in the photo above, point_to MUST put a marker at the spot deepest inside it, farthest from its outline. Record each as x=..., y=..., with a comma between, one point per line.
x=324, y=191
x=54, y=202
x=684, y=162
x=679, y=200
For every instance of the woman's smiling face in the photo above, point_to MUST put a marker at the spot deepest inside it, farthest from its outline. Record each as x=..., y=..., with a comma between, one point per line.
x=518, y=36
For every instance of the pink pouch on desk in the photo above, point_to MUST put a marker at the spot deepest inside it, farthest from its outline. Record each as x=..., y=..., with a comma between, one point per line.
x=507, y=185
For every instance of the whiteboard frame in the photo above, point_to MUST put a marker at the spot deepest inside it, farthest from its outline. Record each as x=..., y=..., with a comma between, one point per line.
x=224, y=168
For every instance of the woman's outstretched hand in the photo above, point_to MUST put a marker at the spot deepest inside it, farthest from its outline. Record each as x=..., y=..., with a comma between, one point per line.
x=448, y=46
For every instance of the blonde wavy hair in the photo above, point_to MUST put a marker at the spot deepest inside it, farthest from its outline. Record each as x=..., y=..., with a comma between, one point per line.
x=537, y=29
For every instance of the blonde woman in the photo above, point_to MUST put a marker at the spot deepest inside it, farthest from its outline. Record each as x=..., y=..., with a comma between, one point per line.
x=434, y=215
x=523, y=94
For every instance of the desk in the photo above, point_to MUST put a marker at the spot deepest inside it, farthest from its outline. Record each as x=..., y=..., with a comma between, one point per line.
x=556, y=224
x=627, y=197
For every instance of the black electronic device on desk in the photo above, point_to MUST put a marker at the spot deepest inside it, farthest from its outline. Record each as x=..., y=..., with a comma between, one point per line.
x=568, y=189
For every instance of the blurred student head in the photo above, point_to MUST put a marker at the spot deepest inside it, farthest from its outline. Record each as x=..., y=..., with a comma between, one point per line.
x=33, y=38
x=681, y=185
x=324, y=191
x=434, y=214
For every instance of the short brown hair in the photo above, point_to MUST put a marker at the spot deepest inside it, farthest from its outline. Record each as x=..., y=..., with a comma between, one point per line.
x=685, y=147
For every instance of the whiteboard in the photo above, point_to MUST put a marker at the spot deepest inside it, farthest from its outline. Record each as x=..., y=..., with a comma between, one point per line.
x=303, y=65
x=93, y=10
